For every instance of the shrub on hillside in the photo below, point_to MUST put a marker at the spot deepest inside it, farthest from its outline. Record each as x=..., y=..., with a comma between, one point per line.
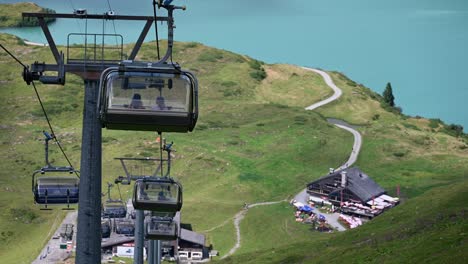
x=228, y=83
x=351, y=83
x=435, y=122
x=258, y=75
x=232, y=92
x=255, y=64
x=454, y=130
x=24, y=215
x=192, y=45
x=210, y=56
x=258, y=72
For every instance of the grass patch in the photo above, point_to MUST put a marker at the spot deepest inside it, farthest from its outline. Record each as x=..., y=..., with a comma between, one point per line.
x=10, y=15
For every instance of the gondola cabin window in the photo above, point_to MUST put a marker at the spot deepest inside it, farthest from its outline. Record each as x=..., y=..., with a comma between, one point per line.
x=157, y=92
x=164, y=192
x=159, y=195
x=148, y=99
x=161, y=229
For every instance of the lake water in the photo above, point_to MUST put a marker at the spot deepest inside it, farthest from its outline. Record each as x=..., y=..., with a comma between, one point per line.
x=420, y=46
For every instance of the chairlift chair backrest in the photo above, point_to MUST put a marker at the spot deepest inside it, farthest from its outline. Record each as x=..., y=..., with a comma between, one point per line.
x=58, y=189
x=157, y=195
x=167, y=98
x=114, y=210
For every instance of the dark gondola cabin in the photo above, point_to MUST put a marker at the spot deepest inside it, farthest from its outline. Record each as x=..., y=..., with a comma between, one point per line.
x=105, y=229
x=56, y=190
x=157, y=195
x=125, y=228
x=161, y=229
x=163, y=99
x=114, y=210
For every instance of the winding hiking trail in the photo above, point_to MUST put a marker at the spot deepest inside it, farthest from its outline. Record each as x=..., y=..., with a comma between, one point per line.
x=238, y=218
x=302, y=196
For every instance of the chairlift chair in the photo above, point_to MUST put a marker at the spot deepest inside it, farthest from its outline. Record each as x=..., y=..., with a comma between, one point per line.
x=157, y=195
x=105, y=229
x=125, y=227
x=114, y=209
x=158, y=228
x=168, y=98
x=55, y=190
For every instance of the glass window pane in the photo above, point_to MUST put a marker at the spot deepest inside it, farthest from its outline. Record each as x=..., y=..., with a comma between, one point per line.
x=149, y=91
x=160, y=192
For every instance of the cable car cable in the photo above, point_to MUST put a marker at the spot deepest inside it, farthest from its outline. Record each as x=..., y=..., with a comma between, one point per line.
x=43, y=109
x=71, y=3
x=52, y=130
x=156, y=28
x=108, y=3
x=9, y=53
x=113, y=23
x=161, y=151
x=77, y=21
x=120, y=194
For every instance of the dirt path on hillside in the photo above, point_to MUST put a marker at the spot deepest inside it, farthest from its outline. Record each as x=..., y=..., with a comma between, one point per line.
x=302, y=196
x=238, y=218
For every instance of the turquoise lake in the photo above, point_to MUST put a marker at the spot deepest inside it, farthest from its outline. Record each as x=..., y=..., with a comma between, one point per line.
x=420, y=46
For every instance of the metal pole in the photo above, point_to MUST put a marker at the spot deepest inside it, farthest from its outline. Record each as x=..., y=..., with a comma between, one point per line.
x=139, y=237
x=88, y=244
x=157, y=251
x=150, y=252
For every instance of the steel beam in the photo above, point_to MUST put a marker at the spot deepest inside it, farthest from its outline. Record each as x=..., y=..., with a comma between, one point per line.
x=88, y=247
x=139, y=237
x=94, y=16
x=142, y=37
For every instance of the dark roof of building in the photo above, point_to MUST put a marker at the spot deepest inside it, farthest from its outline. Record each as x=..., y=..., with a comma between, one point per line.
x=358, y=183
x=193, y=237
x=117, y=241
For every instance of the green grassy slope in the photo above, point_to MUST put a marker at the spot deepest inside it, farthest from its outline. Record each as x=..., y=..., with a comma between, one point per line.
x=10, y=14
x=243, y=147
x=254, y=142
x=431, y=228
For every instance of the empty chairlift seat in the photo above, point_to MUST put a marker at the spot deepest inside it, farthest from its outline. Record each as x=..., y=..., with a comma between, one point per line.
x=161, y=229
x=56, y=190
x=145, y=98
x=157, y=195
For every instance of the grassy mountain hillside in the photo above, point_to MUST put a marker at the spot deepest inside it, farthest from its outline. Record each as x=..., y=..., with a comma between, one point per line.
x=10, y=14
x=254, y=142
x=431, y=228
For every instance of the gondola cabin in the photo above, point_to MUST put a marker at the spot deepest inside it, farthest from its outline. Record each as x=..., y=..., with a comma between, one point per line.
x=161, y=229
x=105, y=229
x=157, y=195
x=162, y=99
x=56, y=190
x=125, y=227
x=114, y=210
